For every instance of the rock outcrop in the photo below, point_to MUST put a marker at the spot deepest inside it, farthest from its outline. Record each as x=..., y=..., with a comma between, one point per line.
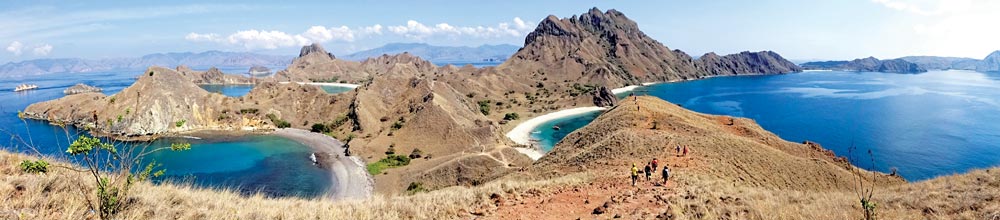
x=870, y=64
x=80, y=88
x=990, y=64
x=603, y=97
x=213, y=76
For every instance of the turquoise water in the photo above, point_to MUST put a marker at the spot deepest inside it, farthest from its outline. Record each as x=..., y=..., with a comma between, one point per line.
x=926, y=125
x=336, y=89
x=228, y=90
x=272, y=165
x=547, y=136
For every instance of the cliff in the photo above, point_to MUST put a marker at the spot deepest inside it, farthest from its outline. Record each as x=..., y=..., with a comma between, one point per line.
x=213, y=76
x=745, y=63
x=870, y=64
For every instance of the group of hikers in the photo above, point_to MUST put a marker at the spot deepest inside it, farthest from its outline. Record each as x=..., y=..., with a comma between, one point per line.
x=651, y=167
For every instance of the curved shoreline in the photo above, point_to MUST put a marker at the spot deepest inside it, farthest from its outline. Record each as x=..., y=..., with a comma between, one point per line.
x=521, y=134
x=352, y=180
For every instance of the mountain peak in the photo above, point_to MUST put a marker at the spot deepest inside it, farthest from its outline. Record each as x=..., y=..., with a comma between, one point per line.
x=314, y=48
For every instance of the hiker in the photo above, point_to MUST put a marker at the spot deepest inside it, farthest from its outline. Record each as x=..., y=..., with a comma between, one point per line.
x=635, y=174
x=678, y=150
x=666, y=174
x=655, y=164
x=685, y=150
x=648, y=171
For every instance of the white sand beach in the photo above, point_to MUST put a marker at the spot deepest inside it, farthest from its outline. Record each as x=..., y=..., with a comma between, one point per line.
x=624, y=89
x=353, y=181
x=521, y=134
x=326, y=84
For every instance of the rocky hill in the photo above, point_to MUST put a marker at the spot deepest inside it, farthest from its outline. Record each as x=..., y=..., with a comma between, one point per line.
x=439, y=53
x=163, y=102
x=607, y=48
x=989, y=64
x=870, y=64
x=213, y=76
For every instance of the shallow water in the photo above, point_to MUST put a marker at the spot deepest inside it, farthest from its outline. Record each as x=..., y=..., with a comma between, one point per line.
x=925, y=125
x=273, y=165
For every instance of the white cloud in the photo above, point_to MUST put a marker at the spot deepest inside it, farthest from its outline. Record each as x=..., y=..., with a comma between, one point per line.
x=43, y=50
x=257, y=39
x=196, y=37
x=416, y=30
x=15, y=48
x=951, y=27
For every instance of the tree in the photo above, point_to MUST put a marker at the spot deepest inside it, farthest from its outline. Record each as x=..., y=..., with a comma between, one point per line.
x=511, y=116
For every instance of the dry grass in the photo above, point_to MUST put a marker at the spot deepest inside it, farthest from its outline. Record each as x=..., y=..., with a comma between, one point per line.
x=57, y=195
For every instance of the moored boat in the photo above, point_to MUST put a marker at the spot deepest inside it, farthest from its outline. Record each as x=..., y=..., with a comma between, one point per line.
x=24, y=87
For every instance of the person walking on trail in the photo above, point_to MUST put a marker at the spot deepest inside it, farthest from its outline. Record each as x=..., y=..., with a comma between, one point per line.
x=678, y=149
x=685, y=150
x=655, y=164
x=635, y=174
x=648, y=171
x=666, y=174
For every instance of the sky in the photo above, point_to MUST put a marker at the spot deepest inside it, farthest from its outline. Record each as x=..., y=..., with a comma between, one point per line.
x=799, y=30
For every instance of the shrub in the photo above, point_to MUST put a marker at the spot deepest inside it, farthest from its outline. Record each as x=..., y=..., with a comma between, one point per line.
x=248, y=111
x=398, y=124
x=178, y=123
x=416, y=153
x=511, y=116
x=320, y=128
x=391, y=161
x=415, y=187
x=39, y=166
x=112, y=171
x=484, y=107
x=278, y=122
x=391, y=150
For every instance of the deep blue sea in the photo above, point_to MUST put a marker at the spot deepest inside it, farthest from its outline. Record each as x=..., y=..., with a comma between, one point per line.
x=273, y=165
x=925, y=125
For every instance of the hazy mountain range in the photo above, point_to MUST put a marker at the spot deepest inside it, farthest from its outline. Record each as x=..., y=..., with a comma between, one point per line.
x=989, y=64
x=911, y=64
x=440, y=53
x=203, y=59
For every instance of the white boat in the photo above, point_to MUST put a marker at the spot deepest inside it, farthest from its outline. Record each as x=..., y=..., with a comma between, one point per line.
x=24, y=87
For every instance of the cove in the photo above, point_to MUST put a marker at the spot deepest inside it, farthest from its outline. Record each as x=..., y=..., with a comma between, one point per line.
x=925, y=125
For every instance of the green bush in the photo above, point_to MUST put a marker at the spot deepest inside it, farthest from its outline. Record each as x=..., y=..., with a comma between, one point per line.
x=484, y=107
x=278, y=122
x=248, y=111
x=178, y=123
x=391, y=161
x=511, y=116
x=320, y=128
x=415, y=187
x=39, y=166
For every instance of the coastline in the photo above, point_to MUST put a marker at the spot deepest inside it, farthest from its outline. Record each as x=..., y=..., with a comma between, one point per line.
x=521, y=134
x=346, y=85
x=353, y=181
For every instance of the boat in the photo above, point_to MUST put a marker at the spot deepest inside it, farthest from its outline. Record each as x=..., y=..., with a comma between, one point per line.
x=555, y=128
x=24, y=87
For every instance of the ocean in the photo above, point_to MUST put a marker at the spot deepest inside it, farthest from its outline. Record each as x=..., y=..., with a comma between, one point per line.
x=925, y=125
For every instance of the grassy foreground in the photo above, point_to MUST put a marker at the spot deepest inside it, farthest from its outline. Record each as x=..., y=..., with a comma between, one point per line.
x=58, y=194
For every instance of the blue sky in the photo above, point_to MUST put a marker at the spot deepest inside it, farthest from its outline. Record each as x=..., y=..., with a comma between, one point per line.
x=819, y=29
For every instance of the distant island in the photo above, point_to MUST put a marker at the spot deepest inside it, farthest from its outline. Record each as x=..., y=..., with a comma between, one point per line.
x=910, y=64
x=989, y=64
x=484, y=53
x=203, y=59
x=870, y=64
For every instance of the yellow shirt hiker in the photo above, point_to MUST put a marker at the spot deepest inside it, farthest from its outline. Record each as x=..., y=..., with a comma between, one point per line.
x=635, y=173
